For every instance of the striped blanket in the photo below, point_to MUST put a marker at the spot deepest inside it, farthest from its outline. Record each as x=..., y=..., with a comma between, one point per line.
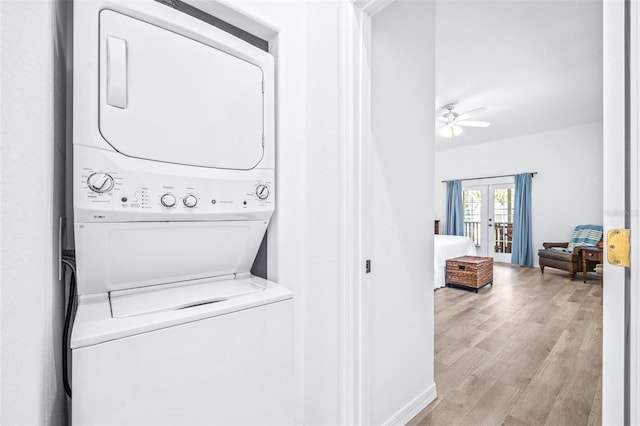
x=583, y=235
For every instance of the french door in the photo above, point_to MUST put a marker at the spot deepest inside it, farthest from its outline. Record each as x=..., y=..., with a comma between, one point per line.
x=488, y=219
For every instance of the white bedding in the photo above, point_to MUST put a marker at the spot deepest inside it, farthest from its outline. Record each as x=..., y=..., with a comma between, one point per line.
x=448, y=247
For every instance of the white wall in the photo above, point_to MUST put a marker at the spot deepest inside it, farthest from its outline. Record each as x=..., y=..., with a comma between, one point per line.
x=400, y=208
x=567, y=191
x=31, y=200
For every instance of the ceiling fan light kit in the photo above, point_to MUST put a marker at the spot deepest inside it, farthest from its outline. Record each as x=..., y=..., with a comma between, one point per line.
x=450, y=131
x=453, y=122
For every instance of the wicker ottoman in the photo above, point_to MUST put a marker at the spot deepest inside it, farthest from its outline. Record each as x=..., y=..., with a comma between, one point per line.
x=469, y=272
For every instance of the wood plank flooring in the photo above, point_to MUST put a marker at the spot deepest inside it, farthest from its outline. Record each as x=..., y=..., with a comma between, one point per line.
x=525, y=351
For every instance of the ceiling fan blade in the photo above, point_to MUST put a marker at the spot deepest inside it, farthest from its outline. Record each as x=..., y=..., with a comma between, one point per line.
x=440, y=124
x=468, y=114
x=444, y=120
x=473, y=123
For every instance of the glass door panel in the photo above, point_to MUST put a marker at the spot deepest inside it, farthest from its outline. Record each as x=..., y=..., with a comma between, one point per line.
x=473, y=216
x=500, y=222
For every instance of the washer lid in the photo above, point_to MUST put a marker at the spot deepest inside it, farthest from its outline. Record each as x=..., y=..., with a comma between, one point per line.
x=127, y=303
x=121, y=256
x=94, y=323
x=166, y=97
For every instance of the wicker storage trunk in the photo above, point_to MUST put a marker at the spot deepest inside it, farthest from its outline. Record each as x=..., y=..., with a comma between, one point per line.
x=471, y=272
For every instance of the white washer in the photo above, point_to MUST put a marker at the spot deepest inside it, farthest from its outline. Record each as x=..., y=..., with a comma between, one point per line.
x=173, y=182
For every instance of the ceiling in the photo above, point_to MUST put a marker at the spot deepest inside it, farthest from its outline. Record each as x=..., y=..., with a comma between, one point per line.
x=535, y=65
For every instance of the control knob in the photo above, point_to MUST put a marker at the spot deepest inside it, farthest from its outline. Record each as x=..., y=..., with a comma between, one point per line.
x=190, y=201
x=262, y=191
x=100, y=182
x=168, y=200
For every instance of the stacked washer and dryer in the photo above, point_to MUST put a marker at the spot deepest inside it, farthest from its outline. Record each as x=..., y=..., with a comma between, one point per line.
x=173, y=188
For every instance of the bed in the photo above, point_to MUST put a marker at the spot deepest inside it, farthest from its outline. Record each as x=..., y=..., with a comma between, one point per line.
x=448, y=247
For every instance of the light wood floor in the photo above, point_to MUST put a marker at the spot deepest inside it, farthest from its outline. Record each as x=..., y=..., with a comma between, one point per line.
x=527, y=351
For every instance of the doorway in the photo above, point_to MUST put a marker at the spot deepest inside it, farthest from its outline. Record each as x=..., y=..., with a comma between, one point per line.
x=613, y=357
x=488, y=219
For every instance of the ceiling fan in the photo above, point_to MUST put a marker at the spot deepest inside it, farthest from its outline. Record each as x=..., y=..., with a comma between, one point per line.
x=453, y=122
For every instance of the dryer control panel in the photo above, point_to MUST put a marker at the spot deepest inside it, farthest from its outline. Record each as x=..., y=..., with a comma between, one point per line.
x=110, y=187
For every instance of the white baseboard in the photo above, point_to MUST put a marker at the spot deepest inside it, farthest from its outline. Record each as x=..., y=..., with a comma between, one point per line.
x=410, y=410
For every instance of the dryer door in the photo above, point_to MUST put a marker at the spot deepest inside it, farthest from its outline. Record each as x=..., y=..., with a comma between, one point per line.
x=166, y=97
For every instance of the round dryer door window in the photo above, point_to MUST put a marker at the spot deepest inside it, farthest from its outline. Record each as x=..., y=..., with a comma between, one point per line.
x=169, y=98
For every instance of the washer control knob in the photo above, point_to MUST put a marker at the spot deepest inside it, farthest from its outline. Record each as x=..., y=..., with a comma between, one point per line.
x=168, y=200
x=262, y=191
x=190, y=201
x=100, y=182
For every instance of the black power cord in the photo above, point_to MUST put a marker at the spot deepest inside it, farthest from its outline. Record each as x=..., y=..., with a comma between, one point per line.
x=69, y=261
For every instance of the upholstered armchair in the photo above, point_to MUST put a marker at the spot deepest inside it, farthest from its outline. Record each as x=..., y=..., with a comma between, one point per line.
x=567, y=256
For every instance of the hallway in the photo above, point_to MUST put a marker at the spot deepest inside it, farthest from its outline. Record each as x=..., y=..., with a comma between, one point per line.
x=526, y=351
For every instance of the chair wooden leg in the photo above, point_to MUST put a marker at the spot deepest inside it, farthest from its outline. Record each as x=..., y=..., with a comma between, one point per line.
x=572, y=275
x=542, y=269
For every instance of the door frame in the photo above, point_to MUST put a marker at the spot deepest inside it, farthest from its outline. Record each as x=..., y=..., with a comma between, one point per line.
x=620, y=350
x=356, y=104
x=356, y=129
x=487, y=236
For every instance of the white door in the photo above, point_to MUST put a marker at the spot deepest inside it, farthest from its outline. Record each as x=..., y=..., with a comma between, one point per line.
x=500, y=206
x=488, y=219
x=620, y=341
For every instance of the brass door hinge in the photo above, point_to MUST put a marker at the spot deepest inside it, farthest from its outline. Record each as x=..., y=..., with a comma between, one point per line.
x=619, y=247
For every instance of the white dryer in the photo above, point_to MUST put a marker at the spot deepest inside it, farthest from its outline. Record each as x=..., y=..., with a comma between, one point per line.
x=173, y=183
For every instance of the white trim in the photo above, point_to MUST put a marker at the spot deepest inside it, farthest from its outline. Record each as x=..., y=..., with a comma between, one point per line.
x=355, y=83
x=412, y=409
x=634, y=344
x=372, y=7
x=365, y=219
x=349, y=348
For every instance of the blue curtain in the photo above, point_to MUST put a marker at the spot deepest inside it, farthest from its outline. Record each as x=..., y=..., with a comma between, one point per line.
x=522, y=253
x=455, y=220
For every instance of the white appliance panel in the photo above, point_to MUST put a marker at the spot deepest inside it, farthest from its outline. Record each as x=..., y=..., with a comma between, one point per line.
x=117, y=256
x=138, y=186
x=234, y=369
x=169, y=98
